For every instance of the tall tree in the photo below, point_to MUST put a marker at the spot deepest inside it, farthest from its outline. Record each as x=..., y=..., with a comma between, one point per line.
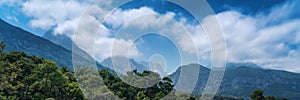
x=257, y=95
x=29, y=77
x=2, y=47
x=270, y=98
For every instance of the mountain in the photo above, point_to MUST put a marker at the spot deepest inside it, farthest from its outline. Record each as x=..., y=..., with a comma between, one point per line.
x=187, y=75
x=241, y=80
x=246, y=64
x=66, y=42
x=59, y=39
x=17, y=39
x=123, y=65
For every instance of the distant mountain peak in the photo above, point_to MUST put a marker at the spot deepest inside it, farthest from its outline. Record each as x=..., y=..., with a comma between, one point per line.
x=59, y=39
x=124, y=64
x=242, y=64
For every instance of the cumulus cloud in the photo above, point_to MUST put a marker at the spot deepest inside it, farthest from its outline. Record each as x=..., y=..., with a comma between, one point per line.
x=120, y=17
x=108, y=47
x=98, y=35
x=61, y=15
x=165, y=25
x=262, y=39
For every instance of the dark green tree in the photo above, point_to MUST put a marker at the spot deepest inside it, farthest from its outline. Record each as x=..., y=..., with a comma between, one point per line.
x=142, y=96
x=281, y=99
x=2, y=47
x=29, y=77
x=270, y=98
x=128, y=92
x=257, y=95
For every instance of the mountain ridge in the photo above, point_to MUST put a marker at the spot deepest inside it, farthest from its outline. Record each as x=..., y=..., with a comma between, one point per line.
x=17, y=39
x=121, y=62
x=59, y=39
x=241, y=81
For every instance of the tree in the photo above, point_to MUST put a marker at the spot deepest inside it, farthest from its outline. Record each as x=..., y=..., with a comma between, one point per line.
x=2, y=47
x=167, y=79
x=191, y=98
x=281, y=99
x=142, y=96
x=128, y=92
x=270, y=98
x=257, y=95
x=74, y=91
x=29, y=77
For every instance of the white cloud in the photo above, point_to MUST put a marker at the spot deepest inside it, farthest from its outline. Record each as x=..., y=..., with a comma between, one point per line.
x=297, y=37
x=12, y=18
x=262, y=40
x=280, y=13
x=120, y=17
x=108, y=47
x=54, y=13
x=165, y=25
x=105, y=46
x=68, y=26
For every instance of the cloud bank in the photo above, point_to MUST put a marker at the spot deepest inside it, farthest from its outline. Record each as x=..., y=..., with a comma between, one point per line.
x=268, y=39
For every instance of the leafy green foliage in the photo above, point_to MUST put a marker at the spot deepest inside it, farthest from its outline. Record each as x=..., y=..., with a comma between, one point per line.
x=2, y=47
x=128, y=92
x=30, y=77
x=270, y=98
x=258, y=95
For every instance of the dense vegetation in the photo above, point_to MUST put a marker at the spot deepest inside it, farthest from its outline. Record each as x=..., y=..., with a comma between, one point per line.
x=29, y=77
x=258, y=95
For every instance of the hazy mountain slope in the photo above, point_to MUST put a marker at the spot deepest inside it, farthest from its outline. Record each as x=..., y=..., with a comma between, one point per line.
x=139, y=66
x=241, y=81
x=184, y=73
x=273, y=82
x=17, y=39
x=67, y=43
x=59, y=39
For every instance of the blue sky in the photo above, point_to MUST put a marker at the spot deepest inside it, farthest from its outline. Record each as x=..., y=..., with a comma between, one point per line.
x=157, y=44
x=14, y=16
x=264, y=32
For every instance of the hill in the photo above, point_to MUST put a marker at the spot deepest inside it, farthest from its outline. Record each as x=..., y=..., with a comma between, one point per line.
x=18, y=39
x=240, y=80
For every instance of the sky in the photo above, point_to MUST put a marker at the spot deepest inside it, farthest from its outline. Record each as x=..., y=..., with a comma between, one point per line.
x=264, y=32
x=170, y=54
